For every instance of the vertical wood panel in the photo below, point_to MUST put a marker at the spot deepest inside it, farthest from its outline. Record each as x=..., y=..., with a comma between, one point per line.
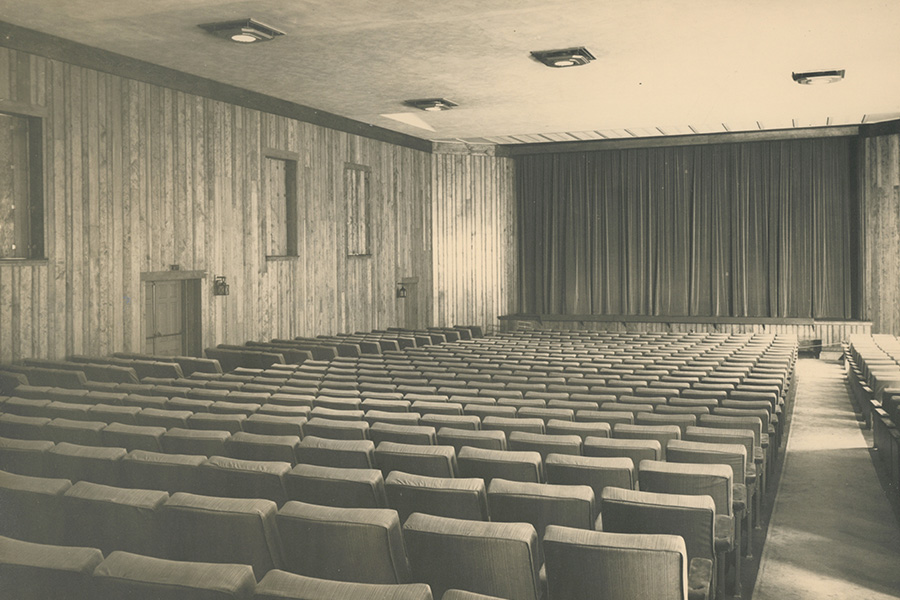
x=138, y=177
x=473, y=236
x=881, y=229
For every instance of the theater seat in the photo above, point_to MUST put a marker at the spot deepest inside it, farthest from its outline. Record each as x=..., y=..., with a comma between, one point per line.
x=541, y=504
x=30, y=571
x=505, y=464
x=158, y=471
x=583, y=565
x=355, y=454
x=124, y=575
x=596, y=472
x=458, y=498
x=458, y=438
x=25, y=457
x=453, y=554
x=364, y=545
x=85, y=463
x=224, y=530
x=336, y=486
x=32, y=508
x=279, y=585
x=237, y=478
x=112, y=518
x=435, y=461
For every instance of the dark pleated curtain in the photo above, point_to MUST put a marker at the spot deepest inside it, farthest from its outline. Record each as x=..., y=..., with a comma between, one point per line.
x=756, y=229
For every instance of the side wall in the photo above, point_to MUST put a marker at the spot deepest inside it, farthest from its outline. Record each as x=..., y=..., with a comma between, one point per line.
x=140, y=177
x=475, y=237
x=881, y=231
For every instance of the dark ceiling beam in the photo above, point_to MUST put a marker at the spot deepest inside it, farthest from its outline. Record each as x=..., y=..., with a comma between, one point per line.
x=876, y=129
x=682, y=140
x=55, y=48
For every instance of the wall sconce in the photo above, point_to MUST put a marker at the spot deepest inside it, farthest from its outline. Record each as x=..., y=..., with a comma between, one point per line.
x=401, y=290
x=220, y=287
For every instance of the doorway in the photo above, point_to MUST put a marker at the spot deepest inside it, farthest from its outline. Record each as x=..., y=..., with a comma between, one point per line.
x=172, y=315
x=411, y=303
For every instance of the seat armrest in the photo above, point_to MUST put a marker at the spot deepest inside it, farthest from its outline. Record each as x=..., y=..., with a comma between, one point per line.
x=699, y=578
x=759, y=455
x=764, y=440
x=724, y=533
x=739, y=497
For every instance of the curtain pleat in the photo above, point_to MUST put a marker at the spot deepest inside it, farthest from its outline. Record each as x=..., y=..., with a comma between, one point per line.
x=757, y=229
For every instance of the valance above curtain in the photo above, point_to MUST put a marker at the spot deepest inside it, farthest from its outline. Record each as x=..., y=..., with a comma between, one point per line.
x=756, y=229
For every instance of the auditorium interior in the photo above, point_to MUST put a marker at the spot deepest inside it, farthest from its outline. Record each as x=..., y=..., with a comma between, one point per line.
x=349, y=300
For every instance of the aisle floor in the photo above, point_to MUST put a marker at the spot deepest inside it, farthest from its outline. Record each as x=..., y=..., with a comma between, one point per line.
x=833, y=532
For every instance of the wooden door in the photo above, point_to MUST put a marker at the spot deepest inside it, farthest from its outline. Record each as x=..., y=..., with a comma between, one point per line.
x=165, y=327
x=411, y=304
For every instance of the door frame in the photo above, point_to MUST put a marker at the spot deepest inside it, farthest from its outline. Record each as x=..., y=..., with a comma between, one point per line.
x=192, y=287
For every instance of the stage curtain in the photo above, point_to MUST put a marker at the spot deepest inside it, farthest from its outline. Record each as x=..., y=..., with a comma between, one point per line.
x=758, y=229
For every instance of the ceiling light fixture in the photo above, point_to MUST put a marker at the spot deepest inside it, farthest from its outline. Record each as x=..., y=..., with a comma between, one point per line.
x=567, y=57
x=818, y=77
x=242, y=31
x=431, y=104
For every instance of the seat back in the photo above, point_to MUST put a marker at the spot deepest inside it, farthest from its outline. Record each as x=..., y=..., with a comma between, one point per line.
x=136, y=577
x=30, y=571
x=434, y=461
x=585, y=564
x=541, y=504
x=88, y=463
x=733, y=455
x=280, y=585
x=112, y=518
x=336, y=486
x=545, y=444
x=32, y=508
x=354, y=454
x=226, y=530
x=457, y=498
x=236, y=478
x=691, y=517
x=343, y=544
x=505, y=464
x=450, y=554
x=458, y=438
x=713, y=480
x=158, y=471
x=596, y=472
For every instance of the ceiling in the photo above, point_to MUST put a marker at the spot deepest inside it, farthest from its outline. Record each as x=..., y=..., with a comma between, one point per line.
x=663, y=67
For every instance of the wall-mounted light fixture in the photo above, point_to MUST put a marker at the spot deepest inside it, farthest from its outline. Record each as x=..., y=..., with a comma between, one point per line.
x=220, y=287
x=242, y=31
x=401, y=290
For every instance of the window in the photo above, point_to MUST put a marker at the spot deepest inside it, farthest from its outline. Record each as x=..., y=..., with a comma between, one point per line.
x=21, y=188
x=356, y=189
x=280, y=200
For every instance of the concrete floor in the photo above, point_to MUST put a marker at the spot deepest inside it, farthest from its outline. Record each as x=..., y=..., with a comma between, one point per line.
x=833, y=533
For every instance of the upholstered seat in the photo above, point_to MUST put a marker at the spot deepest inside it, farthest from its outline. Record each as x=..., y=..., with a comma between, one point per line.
x=255, y=446
x=336, y=486
x=30, y=571
x=280, y=585
x=498, y=559
x=343, y=544
x=541, y=504
x=435, y=461
x=583, y=565
x=190, y=441
x=596, y=472
x=133, y=437
x=458, y=498
x=505, y=464
x=159, y=471
x=459, y=438
x=356, y=454
x=85, y=463
x=336, y=429
x=113, y=518
x=32, y=508
x=224, y=530
x=125, y=575
x=402, y=434
x=545, y=444
x=238, y=478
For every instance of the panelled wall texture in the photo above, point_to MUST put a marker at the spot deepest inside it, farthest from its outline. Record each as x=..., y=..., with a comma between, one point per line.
x=475, y=238
x=881, y=225
x=139, y=177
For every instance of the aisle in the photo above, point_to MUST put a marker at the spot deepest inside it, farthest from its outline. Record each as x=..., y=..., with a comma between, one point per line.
x=832, y=533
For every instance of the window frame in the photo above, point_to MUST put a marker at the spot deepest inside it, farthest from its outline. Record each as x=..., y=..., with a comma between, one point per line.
x=36, y=222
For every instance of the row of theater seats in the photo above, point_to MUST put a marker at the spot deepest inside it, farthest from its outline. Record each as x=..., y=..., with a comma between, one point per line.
x=873, y=369
x=503, y=559
x=541, y=438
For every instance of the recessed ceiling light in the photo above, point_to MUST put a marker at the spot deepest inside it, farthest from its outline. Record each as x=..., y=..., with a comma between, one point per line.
x=818, y=77
x=566, y=57
x=431, y=104
x=242, y=31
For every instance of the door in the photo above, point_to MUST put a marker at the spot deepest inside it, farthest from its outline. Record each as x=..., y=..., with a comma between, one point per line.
x=411, y=303
x=165, y=318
